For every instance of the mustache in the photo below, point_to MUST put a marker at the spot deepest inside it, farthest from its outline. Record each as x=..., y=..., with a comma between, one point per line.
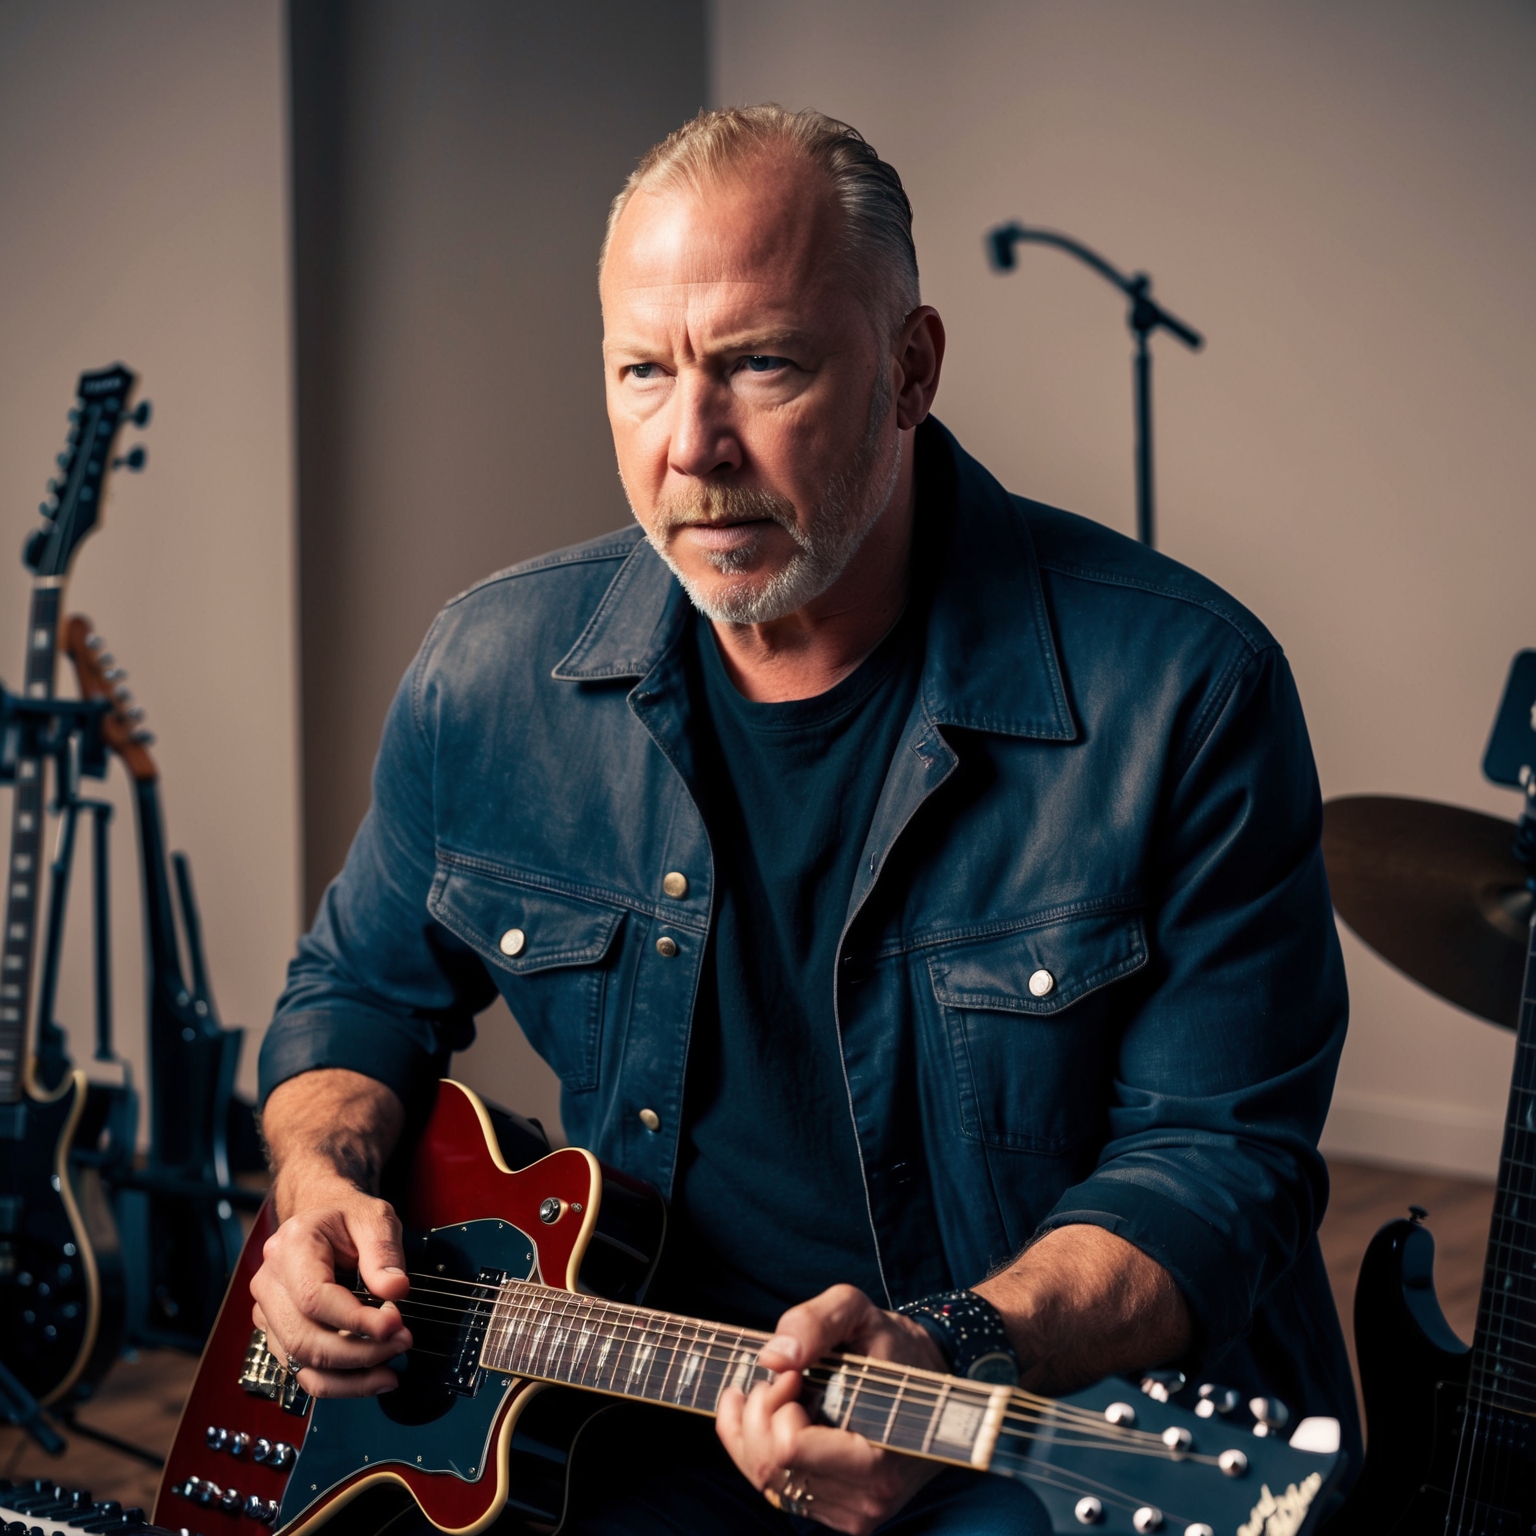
x=701, y=502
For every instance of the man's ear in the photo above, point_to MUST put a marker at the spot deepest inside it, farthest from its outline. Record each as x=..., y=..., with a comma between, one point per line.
x=919, y=353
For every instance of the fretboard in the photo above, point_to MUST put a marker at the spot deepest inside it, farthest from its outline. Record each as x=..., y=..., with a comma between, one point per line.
x=581, y=1341
x=24, y=869
x=1503, y=1365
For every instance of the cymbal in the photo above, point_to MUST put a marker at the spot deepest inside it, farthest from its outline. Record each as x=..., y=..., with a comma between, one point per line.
x=1434, y=890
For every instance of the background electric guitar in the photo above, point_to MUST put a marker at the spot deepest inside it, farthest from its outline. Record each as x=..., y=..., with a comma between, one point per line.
x=177, y=1213
x=60, y=1298
x=511, y=1361
x=1452, y=1447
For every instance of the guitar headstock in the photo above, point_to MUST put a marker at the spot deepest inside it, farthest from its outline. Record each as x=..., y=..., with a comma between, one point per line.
x=73, y=507
x=100, y=679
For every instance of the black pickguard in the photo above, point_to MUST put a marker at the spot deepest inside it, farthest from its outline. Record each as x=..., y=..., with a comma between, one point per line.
x=440, y=1418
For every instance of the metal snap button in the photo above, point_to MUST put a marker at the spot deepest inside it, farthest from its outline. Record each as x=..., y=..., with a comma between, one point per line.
x=512, y=941
x=1042, y=984
x=675, y=885
x=650, y=1119
x=666, y=946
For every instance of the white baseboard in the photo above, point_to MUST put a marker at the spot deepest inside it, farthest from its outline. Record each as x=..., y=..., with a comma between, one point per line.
x=1411, y=1133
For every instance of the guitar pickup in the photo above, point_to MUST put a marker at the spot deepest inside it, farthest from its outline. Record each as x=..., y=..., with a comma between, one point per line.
x=263, y=1376
x=464, y=1371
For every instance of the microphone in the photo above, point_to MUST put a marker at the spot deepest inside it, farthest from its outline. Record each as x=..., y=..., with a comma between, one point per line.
x=1000, y=252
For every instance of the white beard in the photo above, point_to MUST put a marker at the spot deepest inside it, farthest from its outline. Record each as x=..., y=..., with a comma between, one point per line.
x=848, y=509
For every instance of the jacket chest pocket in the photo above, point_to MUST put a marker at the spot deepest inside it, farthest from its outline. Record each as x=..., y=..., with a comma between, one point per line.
x=548, y=953
x=1027, y=1020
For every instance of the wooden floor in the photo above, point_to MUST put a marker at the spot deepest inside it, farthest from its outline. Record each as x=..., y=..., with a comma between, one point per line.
x=141, y=1400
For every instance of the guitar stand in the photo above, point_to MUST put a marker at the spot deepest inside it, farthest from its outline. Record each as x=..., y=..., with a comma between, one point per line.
x=18, y=1406
x=101, y=1437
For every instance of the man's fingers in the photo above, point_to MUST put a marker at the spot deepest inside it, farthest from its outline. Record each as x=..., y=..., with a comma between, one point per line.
x=375, y=1229
x=805, y=1333
x=348, y=1383
x=300, y=1263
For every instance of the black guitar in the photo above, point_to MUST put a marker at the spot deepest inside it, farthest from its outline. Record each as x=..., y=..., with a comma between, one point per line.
x=1452, y=1430
x=177, y=1214
x=60, y=1282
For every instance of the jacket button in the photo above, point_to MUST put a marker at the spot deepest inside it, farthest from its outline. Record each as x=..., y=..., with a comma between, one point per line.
x=675, y=885
x=512, y=941
x=1042, y=984
x=666, y=946
x=650, y=1119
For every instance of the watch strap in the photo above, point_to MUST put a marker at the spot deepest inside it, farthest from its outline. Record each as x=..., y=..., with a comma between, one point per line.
x=970, y=1334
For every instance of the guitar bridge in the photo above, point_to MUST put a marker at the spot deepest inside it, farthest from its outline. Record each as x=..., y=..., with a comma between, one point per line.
x=263, y=1376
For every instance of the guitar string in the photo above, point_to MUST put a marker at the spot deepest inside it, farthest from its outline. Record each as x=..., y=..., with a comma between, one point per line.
x=1059, y=1418
x=1491, y=1451
x=896, y=1374
x=1493, y=1307
x=664, y=1323
x=884, y=1377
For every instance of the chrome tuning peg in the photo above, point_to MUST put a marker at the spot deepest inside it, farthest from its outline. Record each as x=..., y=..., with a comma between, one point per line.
x=106, y=658
x=111, y=673
x=74, y=413
x=133, y=460
x=143, y=738
x=49, y=508
x=1272, y=1415
x=94, y=642
x=141, y=413
x=1162, y=1385
x=62, y=460
x=1214, y=1400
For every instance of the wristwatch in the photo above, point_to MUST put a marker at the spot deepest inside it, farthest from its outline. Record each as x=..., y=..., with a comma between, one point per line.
x=970, y=1334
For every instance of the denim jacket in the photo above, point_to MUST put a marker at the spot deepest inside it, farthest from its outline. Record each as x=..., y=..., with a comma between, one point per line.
x=1088, y=973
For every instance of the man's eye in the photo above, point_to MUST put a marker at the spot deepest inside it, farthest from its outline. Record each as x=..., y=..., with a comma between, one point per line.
x=643, y=370
x=759, y=363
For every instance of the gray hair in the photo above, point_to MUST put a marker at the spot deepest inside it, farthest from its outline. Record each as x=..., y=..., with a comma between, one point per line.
x=877, y=247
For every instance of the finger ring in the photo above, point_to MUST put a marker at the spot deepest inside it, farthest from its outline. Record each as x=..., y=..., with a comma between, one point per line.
x=795, y=1498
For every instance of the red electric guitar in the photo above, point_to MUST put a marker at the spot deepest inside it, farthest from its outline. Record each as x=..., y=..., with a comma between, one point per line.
x=511, y=1360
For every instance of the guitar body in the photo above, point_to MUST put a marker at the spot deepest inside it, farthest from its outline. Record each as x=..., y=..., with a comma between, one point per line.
x=61, y=1276
x=464, y=1444
x=1413, y=1373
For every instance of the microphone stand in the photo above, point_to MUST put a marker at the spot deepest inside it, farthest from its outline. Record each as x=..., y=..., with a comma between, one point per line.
x=1144, y=316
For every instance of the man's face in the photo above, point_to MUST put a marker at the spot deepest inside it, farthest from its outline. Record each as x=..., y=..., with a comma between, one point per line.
x=750, y=395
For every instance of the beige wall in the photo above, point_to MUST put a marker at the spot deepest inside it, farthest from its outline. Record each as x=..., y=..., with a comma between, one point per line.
x=143, y=218
x=1340, y=197
x=454, y=165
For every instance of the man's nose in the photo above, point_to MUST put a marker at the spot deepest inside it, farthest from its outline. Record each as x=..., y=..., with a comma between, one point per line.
x=704, y=439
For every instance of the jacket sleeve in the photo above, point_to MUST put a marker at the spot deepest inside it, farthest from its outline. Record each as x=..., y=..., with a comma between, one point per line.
x=1227, y=1058
x=376, y=984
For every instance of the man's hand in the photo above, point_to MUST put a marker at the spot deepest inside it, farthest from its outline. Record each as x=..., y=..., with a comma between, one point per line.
x=840, y=1478
x=328, y=1133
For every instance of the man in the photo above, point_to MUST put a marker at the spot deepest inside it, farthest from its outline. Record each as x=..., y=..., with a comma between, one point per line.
x=919, y=886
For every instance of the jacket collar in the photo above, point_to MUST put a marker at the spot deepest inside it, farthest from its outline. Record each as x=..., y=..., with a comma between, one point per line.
x=991, y=661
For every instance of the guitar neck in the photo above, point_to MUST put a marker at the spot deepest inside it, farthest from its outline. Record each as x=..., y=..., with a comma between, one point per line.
x=24, y=869
x=1503, y=1364
x=679, y=1362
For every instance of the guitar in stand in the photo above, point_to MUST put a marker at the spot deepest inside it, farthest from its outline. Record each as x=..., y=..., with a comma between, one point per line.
x=60, y=1301
x=1452, y=1429
x=178, y=1212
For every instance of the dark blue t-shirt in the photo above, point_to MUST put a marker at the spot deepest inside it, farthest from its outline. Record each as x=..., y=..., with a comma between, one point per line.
x=769, y=1206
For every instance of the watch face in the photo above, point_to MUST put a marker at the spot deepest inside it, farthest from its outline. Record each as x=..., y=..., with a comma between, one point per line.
x=997, y=1367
